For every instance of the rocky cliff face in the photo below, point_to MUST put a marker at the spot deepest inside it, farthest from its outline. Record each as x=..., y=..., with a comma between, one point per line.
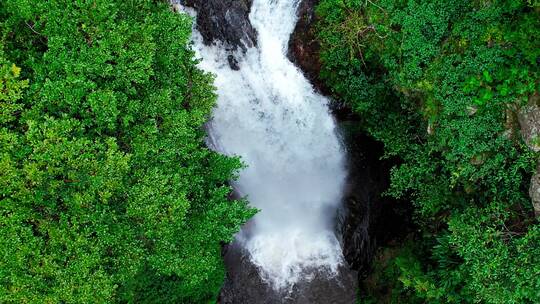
x=304, y=47
x=371, y=220
x=226, y=21
x=243, y=285
x=529, y=121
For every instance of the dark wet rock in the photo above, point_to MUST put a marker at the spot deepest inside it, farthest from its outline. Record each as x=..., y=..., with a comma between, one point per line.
x=233, y=63
x=358, y=244
x=370, y=219
x=244, y=285
x=304, y=47
x=226, y=21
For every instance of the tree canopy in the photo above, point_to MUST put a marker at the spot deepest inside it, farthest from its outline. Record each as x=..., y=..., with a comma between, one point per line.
x=107, y=190
x=441, y=83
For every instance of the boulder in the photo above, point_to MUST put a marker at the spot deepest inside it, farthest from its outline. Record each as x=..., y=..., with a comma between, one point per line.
x=529, y=122
x=304, y=47
x=225, y=21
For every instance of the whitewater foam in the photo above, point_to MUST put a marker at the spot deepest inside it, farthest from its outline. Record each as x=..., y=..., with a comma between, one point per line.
x=270, y=115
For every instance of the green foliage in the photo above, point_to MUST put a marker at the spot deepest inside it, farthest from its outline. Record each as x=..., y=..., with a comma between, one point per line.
x=383, y=285
x=107, y=191
x=10, y=90
x=440, y=84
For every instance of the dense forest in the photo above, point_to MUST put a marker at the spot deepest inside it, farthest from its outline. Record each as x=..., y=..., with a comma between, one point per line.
x=107, y=191
x=451, y=88
x=109, y=194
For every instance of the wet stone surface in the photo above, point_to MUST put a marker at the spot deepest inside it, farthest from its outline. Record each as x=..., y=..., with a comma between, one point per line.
x=245, y=286
x=225, y=21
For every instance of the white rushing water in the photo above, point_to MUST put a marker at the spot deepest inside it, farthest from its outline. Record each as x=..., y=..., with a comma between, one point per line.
x=269, y=114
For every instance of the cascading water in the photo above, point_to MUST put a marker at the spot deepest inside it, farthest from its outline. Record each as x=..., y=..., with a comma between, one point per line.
x=270, y=116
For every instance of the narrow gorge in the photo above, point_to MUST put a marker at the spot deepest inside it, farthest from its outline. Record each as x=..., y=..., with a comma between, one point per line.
x=315, y=181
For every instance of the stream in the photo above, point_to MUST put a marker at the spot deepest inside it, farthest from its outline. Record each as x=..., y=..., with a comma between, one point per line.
x=270, y=115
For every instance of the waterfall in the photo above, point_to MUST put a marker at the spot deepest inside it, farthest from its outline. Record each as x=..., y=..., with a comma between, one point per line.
x=269, y=115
